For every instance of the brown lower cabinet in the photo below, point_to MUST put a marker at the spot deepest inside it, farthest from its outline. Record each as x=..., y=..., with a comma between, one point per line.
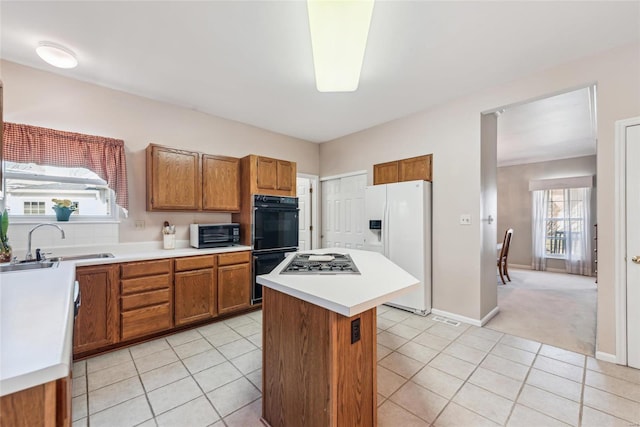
x=195, y=289
x=97, y=324
x=128, y=302
x=146, y=295
x=45, y=405
x=234, y=281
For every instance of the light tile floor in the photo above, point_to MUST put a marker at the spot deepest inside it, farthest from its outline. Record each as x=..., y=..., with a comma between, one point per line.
x=429, y=374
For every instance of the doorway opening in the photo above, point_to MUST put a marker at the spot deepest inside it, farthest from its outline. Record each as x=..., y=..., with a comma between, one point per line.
x=307, y=193
x=545, y=180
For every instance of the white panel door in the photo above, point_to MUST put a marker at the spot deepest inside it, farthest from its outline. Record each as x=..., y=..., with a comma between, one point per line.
x=633, y=245
x=331, y=207
x=343, y=212
x=304, y=204
x=353, y=195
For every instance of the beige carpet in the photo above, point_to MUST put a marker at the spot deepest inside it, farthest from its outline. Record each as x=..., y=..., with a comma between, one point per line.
x=552, y=308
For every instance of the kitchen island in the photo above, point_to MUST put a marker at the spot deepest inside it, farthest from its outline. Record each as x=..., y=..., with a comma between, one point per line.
x=319, y=341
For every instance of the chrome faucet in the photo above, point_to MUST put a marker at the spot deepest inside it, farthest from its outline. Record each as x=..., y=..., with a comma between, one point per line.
x=29, y=257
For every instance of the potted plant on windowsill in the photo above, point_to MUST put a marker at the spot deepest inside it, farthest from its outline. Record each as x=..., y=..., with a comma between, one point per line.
x=5, y=249
x=63, y=208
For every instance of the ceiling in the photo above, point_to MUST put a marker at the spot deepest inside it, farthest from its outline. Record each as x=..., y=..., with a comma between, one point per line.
x=558, y=127
x=251, y=61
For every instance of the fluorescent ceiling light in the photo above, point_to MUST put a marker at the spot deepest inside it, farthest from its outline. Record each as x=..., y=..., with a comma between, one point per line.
x=56, y=55
x=339, y=30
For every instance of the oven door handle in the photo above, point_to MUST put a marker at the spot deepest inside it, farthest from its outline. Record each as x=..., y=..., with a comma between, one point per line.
x=264, y=208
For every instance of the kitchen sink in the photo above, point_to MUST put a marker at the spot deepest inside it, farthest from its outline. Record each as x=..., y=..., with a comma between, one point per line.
x=77, y=257
x=28, y=266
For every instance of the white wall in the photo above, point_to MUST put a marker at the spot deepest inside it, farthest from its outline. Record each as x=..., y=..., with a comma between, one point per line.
x=452, y=132
x=489, y=208
x=49, y=100
x=514, y=201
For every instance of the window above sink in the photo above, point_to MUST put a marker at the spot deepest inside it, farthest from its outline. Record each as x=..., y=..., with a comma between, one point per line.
x=30, y=189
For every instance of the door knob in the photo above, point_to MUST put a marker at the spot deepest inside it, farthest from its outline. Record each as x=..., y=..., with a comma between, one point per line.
x=636, y=259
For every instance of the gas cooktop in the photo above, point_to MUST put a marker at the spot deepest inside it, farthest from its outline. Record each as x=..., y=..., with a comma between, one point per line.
x=332, y=263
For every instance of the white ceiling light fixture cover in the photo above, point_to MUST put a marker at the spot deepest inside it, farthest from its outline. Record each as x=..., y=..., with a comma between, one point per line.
x=339, y=31
x=57, y=55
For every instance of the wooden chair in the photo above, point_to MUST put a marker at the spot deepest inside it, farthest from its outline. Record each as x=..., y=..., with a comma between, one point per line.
x=503, y=267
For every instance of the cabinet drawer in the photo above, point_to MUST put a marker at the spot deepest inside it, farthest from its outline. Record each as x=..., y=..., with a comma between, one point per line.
x=145, y=268
x=144, y=321
x=234, y=258
x=129, y=302
x=144, y=284
x=195, y=263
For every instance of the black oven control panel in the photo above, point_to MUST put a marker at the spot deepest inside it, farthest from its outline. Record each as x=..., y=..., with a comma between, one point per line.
x=264, y=201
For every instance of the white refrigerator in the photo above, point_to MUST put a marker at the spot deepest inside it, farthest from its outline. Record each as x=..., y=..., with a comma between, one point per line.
x=399, y=227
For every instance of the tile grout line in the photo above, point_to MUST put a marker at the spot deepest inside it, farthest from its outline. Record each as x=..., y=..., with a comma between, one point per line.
x=466, y=381
x=584, y=380
x=524, y=382
x=449, y=400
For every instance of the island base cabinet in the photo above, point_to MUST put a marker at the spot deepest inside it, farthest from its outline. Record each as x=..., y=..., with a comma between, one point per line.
x=47, y=405
x=312, y=374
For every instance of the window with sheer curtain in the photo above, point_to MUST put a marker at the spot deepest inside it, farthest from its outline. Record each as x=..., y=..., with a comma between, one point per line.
x=562, y=228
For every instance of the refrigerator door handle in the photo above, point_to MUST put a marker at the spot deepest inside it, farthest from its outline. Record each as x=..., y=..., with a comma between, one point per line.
x=388, y=230
x=385, y=230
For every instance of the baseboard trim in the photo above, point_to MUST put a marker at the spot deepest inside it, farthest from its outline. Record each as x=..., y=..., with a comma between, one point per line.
x=489, y=316
x=607, y=357
x=528, y=267
x=457, y=317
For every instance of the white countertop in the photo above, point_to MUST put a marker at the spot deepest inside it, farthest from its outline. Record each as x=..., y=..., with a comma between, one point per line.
x=347, y=294
x=36, y=312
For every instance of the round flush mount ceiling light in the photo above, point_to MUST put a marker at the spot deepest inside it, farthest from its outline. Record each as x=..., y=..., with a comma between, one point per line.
x=56, y=55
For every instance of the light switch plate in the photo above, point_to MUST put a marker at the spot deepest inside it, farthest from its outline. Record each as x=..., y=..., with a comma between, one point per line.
x=465, y=219
x=139, y=224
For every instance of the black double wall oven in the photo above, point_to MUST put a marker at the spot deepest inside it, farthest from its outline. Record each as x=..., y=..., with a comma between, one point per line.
x=274, y=234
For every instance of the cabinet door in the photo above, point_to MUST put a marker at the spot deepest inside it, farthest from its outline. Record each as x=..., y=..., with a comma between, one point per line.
x=415, y=168
x=195, y=296
x=234, y=287
x=220, y=183
x=385, y=173
x=266, y=173
x=286, y=175
x=173, y=179
x=97, y=322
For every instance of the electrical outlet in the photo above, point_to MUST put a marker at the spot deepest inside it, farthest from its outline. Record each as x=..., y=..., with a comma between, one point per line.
x=465, y=219
x=355, y=330
x=139, y=224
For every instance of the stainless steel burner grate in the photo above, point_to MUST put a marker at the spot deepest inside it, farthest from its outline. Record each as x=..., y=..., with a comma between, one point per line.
x=331, y=263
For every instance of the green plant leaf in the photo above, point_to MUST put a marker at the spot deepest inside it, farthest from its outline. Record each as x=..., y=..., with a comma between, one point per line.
x=4, y=225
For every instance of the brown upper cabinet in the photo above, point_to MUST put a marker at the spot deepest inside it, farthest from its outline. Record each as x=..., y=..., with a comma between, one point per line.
x=181, y=180
x=265, y=175
x=411, y=169
x=173, y=179
x=220, y=183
